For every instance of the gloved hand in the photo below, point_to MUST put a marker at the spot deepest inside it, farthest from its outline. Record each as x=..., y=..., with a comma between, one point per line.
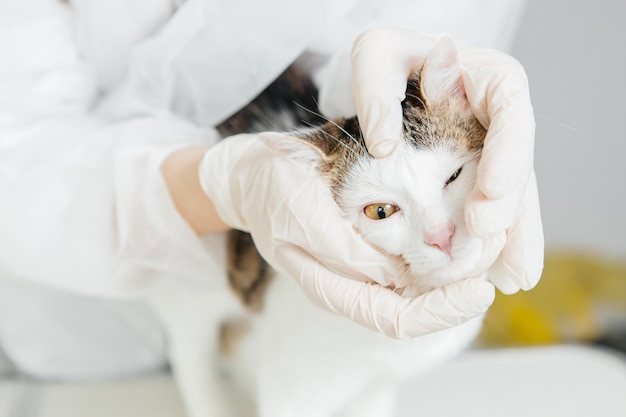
x=300, y=231
x=505, y=196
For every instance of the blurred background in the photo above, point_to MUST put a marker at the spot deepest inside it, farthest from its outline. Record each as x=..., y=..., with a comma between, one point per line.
x=574, y=54
x=575, y=58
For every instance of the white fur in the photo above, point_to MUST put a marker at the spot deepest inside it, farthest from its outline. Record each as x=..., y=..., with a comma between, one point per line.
x=414, y=180
x=302, y=361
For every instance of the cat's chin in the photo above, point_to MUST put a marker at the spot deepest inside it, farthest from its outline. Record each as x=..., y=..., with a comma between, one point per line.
x=424, y=283
x=455, y=267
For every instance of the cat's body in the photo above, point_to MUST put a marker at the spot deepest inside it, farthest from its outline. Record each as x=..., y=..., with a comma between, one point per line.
x=294, y=359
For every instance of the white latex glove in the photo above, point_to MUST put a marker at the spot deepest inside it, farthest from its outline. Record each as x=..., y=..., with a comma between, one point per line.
x=300, y=231
x=505, y=196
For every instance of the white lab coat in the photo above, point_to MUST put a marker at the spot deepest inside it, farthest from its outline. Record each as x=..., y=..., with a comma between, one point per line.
x=94, y=94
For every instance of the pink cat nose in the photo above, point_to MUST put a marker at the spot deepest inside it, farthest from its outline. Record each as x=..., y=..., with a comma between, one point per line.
x=440, y=237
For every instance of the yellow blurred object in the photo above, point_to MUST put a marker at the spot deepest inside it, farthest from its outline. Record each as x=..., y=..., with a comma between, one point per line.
x=578, y=298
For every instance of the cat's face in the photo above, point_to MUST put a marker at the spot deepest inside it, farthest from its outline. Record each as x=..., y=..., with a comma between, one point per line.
x=411, y=203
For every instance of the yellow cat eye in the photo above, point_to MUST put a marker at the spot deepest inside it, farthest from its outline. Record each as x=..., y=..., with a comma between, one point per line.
x=380, y=211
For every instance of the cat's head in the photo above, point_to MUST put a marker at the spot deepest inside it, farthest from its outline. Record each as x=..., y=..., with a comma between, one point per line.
x=410, y=203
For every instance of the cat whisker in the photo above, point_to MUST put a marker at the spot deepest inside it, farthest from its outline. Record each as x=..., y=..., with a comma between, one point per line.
x=565, y=125
x=419, y=99
x=355, y=140
x=313, y=112
x=339, y=141
x=310, y=111
x=321, y=116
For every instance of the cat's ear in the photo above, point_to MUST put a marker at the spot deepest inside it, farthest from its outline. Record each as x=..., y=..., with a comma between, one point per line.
x=294, y=147
x=440, y=78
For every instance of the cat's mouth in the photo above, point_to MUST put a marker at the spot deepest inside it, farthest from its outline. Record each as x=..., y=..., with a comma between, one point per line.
x=424, y=273
x=416, y=281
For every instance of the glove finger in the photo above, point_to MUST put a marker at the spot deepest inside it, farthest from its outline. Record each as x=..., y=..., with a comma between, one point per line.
x=521, y=262
x=444, y=307
x=381, y=124
x=507, y=155
x=380, y=308
x=486, y=217
x=305, y=215
x=382, y=61
x=315, y=223
x=497, y=89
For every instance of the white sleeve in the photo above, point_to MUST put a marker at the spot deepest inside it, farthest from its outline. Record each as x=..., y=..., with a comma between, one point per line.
x=213, y=57
x=82, y=202
x=83, y=205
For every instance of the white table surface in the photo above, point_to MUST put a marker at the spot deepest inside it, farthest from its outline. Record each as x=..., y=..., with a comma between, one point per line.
x=555, y=381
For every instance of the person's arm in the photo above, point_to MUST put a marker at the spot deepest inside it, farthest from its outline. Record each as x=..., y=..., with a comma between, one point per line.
x=83, y=204
x=180, y=172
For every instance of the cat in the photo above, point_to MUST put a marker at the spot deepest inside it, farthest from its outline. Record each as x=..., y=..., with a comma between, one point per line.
x=291, y=358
